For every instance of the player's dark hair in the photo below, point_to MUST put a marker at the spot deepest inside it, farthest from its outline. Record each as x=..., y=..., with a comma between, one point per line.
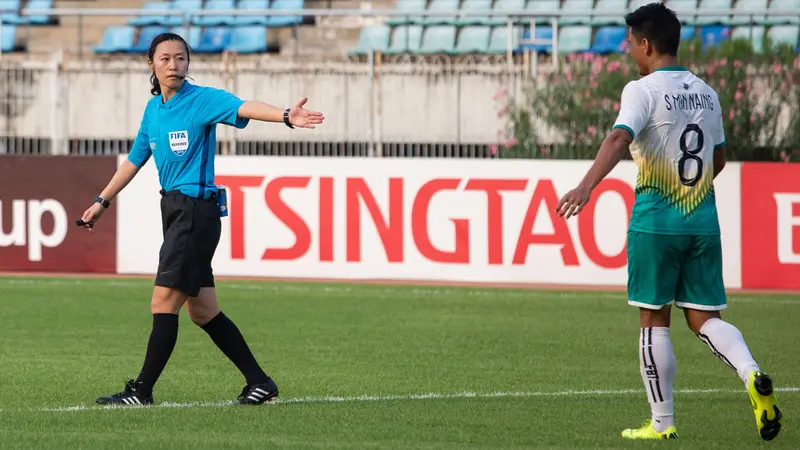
x=659, y=25
x=163, y=37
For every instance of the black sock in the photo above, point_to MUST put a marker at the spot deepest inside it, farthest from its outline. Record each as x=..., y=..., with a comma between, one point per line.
x=226, y=335
x=159, y=348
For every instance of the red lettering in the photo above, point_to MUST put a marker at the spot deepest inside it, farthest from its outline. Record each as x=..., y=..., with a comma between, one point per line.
x=495, y=211
x=236, y=207
x=390, y=231
x=326, y=219
x=586, y=229
x=272, y=196
x=545, y=193
x=419, y=225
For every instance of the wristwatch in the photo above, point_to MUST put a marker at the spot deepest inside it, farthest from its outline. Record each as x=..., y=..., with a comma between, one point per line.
x=102, y=201
x=286, y=118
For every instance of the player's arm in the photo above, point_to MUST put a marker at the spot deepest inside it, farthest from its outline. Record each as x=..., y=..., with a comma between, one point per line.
x=611, y=152
x=719, y=149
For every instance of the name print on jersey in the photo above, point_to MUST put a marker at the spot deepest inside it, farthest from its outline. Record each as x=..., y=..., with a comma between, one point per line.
x=689, y=102
x=179, y=142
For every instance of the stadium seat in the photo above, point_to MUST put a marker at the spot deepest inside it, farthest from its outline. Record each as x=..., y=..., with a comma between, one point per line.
x=192, y=37
x=438, y=39
x=250, y=39
x=474, y=6
x=116, y=39
x=505, y=5
x=713, y=5
x=186, y=6
x=777, y=5
x=472, y=39
x=441, y=5
x=9, y=38
x=576, y=6
x=152, y=19
x=216, y=20
x=753, y=34
x=636, y=4
x=609, y=40
x=408, y=6
x=683, y=5
x=541, y=6
x=11, y=8
x=574, y=39
x=406, y=38
x=498, y=40
x=783, y=34
x=250, y=5
x=618, y=7
x=540, y=33
x=285, y=21
x=372, y=39
x=749, y=5
x=37, y=19
x=214, y=40
x=688, y=32
x=146, y=36
x=713, y=35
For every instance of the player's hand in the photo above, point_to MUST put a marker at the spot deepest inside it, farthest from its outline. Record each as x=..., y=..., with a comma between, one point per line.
x=92, y=215
x=303, y=118
x=573, y=202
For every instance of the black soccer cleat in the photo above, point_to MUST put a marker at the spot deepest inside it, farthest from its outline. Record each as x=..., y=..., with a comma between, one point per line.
x=129, y=396
x=256, y=394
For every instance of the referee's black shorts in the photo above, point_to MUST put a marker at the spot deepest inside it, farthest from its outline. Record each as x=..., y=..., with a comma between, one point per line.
x=191, y=228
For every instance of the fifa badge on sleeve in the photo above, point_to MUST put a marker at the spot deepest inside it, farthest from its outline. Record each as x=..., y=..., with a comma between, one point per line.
x=222, y=201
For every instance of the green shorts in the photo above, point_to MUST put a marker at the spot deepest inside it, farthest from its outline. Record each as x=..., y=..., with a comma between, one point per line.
x=685, y=270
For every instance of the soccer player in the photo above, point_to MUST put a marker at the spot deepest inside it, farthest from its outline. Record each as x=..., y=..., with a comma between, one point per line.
x=178, y=130
x=671, y=121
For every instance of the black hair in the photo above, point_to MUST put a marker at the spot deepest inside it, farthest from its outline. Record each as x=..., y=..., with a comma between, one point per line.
x=163, y=37
x=659, y=25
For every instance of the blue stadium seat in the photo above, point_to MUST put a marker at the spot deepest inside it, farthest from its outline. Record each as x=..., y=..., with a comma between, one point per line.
x=683, y=5
x=405, y=39
x=784, y=34
x=498, y=41
x=713, y=35
x=544, y=33
x=249, y=39
x=11, y=8
x=714, y=5
x=617, y=6
x=192, y=37
x=574, y=39
x=146, y=36
x=441, y=6
x=541, y=6
x=754, y=35
x=576, y=6
x=475, y=6
x=749, y=5
x=371, y=39
x=250, y=5
x=218, y=5
x=407, y=6
x=185, y=6
x=609, y=40
x=688, y=33
x=777, y=5
x=502, y=6
x=214, y=40
x=116, y=39
x=474, y=39
x=285, y=21
x=155, y=19
x=9, y=38
x=38, y=19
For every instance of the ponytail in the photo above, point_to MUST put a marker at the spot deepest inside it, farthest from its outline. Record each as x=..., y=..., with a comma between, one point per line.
x=156, y=89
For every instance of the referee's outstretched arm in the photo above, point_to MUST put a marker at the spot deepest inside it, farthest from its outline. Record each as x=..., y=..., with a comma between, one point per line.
x=178, y=132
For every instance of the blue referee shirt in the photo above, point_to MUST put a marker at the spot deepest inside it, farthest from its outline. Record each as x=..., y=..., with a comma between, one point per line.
x=181, y=136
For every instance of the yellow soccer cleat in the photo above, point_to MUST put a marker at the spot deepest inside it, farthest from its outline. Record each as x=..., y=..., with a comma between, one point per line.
x=648, y=432
x=762, y=397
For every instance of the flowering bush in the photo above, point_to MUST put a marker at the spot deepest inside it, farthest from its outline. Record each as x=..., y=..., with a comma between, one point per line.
x=758, y=93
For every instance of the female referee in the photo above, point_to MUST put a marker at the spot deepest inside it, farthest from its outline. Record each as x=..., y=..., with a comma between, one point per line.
x=178, y=130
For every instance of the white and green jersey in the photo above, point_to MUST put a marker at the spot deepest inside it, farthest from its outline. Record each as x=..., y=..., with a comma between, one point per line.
x=676, y=122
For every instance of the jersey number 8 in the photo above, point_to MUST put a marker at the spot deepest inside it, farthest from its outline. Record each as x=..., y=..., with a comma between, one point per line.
x=691, y=155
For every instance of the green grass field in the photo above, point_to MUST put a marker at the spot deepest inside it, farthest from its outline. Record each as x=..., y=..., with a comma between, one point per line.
x=504, y=369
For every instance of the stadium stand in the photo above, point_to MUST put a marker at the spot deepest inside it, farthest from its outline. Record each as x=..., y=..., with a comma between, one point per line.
x=410, y=33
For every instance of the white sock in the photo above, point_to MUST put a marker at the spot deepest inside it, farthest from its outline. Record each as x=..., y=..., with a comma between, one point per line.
x=727, y=343
x=657, y=363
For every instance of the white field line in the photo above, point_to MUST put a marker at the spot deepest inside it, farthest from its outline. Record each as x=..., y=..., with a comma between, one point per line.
x=334, y=288
x=387, y=398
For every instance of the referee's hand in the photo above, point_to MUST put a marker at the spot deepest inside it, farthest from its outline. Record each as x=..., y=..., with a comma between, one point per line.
x=91, y=215
x=303, y=118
